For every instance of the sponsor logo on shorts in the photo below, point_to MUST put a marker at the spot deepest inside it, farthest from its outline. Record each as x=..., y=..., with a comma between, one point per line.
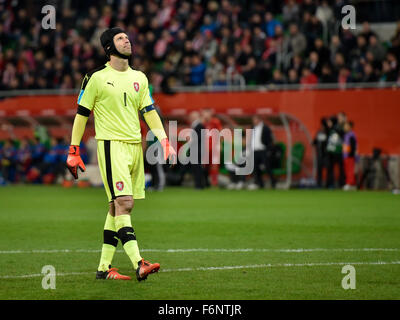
x=136, y=86
x=119, y=185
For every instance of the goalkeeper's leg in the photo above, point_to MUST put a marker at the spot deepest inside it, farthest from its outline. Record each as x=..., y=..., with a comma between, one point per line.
x=110, y=242
x=123, y=208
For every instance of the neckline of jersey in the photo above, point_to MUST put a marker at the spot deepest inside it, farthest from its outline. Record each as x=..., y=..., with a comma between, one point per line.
x=120, y=72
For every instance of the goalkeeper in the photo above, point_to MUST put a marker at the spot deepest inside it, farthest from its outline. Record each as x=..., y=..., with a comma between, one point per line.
x=115, y=93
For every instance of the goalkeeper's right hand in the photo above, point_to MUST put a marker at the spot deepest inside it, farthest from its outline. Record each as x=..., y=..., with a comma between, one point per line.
x=169, y=152
x=74, y=161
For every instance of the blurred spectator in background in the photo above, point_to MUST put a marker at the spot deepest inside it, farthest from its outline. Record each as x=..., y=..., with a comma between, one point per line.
x=326, y=74
x=314, y=64
x=196, y=123
x=393, y=61
x=49, y=164
x=388, y=74
x=38, y=151
x=270, y=24
x=213, y=124
x=213, y=71
x=24, y=159
x=322, y=51
x=320, y=143
x=308, y=6
x=376, y=48
x=297, y=64
x=344, y=77
x=308, y=79
x=334, y=153
x=197, y=71
x=349, y=155
x=262, y=148
x=250, y=71
x=295, y=42
x=277, y=77
x=335, y=46
x=368, y=74
x=293, y=77
x=324, y=13
x=168, y=77
x=237, y=181
x=53, y=164
x=290, y=12
x=366, y=31
x=8, y=159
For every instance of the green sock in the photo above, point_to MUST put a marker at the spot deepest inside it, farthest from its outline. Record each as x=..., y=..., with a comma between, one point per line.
x=128, y=238
x=110, y=243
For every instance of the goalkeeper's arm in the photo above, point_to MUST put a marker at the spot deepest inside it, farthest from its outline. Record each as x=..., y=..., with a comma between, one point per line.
x=153, y=120
x=74, y=160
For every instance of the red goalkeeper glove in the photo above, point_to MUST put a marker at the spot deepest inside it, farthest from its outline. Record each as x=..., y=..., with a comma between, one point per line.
x=169, y=152
x=74, y=161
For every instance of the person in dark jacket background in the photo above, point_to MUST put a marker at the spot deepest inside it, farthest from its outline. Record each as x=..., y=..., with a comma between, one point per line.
x=320, y=143
x=334, y=153
x=262, y=147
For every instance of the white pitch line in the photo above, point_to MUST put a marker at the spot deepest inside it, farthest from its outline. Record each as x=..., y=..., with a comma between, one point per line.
x=300, y=250
x=269, y=265
x=273, y=250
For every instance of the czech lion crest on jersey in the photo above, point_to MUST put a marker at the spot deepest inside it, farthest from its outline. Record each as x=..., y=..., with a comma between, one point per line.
x=136, y=86
x=119, y=185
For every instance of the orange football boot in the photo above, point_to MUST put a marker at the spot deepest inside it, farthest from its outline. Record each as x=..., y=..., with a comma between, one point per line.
x=111, y=274
x=145, y=268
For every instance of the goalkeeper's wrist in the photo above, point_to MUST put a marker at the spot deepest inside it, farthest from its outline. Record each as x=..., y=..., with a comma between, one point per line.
x=74, y=150
x=164, y=142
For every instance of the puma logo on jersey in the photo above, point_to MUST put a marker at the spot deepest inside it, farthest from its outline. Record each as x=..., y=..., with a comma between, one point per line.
x=110, y=83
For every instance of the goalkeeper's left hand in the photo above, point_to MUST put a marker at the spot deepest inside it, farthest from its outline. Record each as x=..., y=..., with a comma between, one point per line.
x=74, y=161
x=169, y=152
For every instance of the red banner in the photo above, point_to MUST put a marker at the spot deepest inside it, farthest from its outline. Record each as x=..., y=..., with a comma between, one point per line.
x=375, y=112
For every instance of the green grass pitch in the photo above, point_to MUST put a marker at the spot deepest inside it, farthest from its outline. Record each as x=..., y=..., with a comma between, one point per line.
x=212, y=244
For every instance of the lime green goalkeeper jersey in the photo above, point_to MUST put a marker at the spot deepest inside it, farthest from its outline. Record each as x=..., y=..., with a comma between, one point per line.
x=115, y=98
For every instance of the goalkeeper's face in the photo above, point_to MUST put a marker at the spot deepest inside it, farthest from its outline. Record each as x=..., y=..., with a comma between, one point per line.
x=122, y=44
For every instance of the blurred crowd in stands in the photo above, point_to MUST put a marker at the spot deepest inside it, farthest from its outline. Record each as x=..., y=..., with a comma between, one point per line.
x=191, y=43
x=34, y=161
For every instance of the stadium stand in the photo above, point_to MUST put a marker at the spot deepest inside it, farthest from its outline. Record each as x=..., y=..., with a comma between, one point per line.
x=185, y=43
